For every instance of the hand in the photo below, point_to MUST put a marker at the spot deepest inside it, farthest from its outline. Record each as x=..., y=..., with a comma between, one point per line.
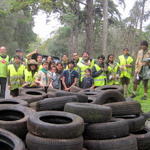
x=128, y=65
x=67, y=89
x=9, y=87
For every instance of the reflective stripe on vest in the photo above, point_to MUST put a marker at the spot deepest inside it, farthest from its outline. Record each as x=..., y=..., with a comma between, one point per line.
x=125, y=71
x=16, y=77
x=101, y=79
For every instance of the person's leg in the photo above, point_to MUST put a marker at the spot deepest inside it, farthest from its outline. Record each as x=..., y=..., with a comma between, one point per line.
x=3, y=87
x=14, y=93
x=127, y=82
x=145, y=84
x=122, y=80
x=135, y=86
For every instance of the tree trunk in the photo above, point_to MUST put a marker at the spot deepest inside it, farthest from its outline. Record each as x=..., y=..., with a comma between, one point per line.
x=105, y=27
x=89, y=26
x=142, y=14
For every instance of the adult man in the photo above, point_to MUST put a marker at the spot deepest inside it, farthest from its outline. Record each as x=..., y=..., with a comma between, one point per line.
x=99, y=72
x=4, y=61
x=142, y=68
x=125, y=65
x=85, y=63
x=15, y=76
x=20, y=53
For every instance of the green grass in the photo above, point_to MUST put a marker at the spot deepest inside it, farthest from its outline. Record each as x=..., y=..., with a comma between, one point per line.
x=140, y=92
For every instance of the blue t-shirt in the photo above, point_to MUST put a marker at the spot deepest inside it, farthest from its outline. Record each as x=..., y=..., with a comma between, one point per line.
x=70, y=76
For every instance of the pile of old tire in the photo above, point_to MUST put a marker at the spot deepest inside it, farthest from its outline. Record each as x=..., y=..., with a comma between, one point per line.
x=56, y=103
x=13, y=101
x=117, y=88
x=14, y=118
x=9, y=141
x=132, y=113
x=102, y=132
x=109, y=96
x=55, y=130
x=32, y=95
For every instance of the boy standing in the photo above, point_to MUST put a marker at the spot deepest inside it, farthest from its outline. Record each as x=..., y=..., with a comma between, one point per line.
x=69, y=77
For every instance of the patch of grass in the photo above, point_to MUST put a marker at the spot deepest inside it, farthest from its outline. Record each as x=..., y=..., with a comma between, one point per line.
x=140, y=92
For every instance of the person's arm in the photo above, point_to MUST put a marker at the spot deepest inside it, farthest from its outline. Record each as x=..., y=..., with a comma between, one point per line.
x=38, y=79
x=28, y=56
x=75, y=82
x=64, y=84
x=96, y=73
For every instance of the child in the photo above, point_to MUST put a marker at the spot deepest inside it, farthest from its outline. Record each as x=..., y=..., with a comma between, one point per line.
x=113, y=71
x=56, y=83
x=69, y=77
x=88, y=81
x=43, y=78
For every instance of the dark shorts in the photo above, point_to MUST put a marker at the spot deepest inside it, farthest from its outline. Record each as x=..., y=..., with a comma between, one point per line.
x=125, y=80
x=14, y=92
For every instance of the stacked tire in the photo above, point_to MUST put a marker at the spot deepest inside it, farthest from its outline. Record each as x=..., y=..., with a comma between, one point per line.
x=102, y=132
x=55, y=130
x=132, y=113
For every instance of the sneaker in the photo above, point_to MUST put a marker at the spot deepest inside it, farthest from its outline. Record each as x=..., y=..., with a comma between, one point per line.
x=144, y=98
x=133, y=96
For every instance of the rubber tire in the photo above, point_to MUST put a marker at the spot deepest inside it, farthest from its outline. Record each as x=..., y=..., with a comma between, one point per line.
x=125, y=108
x=81, y=97
x=109, y=96
x=31, y=98
x=116, y=128
x=63, y=130
x=143, y=140
x=110, y=87
x=19, y=126
x=39, y=143
x=125, y=143
x=13, y=101
x=136, y=123
x=56, y=103
x=11, y=140
x=91, y=113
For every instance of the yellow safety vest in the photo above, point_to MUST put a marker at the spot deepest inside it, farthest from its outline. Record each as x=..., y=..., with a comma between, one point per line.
x=3, y=66
x=16, y=77
x=101, y=79
x=112, y=71
x=83, y=67
x=40, y=67
x=28, y=76
x=125, y=71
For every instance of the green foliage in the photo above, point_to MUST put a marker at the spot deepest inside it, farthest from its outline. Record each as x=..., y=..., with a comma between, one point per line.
x=16, y=28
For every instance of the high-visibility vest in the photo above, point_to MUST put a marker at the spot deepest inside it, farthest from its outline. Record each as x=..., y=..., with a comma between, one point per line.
x=16, y=77
x=101, y=79
x=112, y=71
x=40, y=67
x=125, y=71
x=29, y=77
x=3, y=66
x=83, y=67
